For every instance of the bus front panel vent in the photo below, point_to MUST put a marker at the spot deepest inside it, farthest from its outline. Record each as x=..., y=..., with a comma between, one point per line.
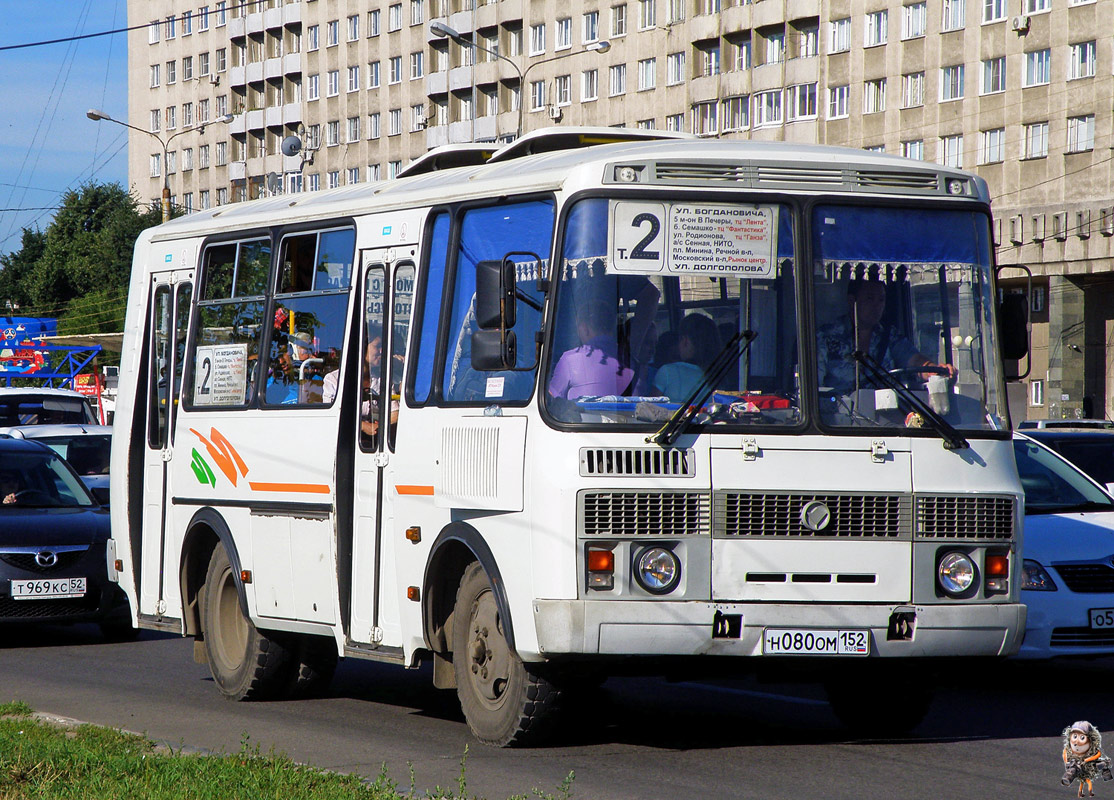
x=834, y=516
x=636, y=462
x=965, y=517
x=644, y=513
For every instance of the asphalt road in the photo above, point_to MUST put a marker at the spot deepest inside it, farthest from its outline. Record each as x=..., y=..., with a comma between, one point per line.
x=991, y=733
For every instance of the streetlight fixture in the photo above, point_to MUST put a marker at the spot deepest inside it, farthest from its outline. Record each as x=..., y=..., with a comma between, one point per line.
x=97, y=115
x=442, y=30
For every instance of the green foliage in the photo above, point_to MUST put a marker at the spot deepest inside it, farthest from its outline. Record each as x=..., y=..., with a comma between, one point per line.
x=78, y=269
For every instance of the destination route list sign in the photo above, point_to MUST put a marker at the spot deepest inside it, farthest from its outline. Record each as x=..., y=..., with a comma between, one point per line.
x=713, y=239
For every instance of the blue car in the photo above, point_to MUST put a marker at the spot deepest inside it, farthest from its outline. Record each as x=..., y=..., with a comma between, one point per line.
x=54, y=564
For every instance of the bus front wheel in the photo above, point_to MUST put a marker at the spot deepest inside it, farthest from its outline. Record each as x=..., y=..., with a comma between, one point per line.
x=246, y=663
x=504, y=701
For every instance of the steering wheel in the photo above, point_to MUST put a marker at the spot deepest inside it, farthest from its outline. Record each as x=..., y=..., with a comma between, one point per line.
x=26, y=495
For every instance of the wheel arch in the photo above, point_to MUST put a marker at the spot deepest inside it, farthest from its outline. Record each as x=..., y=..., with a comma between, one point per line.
x=456, y=546
x=206, y=529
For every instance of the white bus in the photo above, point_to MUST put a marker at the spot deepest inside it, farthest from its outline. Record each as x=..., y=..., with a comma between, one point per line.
x=603, y=403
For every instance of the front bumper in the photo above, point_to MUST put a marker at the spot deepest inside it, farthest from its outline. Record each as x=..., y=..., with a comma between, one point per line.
x=570, y=627
x=1059, y=625
x=103, y=599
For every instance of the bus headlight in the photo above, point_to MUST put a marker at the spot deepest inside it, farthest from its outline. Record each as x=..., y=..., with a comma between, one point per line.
x=955, y=573
x=657, y=570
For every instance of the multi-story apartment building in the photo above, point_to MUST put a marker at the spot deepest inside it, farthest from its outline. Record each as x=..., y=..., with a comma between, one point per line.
x=1018, y=91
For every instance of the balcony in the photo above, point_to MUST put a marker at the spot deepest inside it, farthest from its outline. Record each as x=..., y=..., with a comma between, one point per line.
x=460, y=78
x=436, y=83
x=436, y=136
x=292, y=64
x=237, y=28
x=254, y=22
x=272, y=68
x=291, y=113
x=237, y=170
x=291, y=13
x=254, y=72
x=239, y=124
x=272, y=116
x=254, y=119
x=272, y=18
x=237, y=76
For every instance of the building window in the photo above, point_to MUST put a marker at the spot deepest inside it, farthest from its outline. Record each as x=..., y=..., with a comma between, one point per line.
x=332, y=33
x=203, y=157
x=354, y=78
x=353, y=129
x=155, y=72
x=912, y=90
x=775, y=47
x=332, y=85
x=951, y=82
x=647, y=14
x=203, y=199
x=187, y=115
x=1036, y=392
x=156, y=120
x=993, y=10
x=704, y=119
x=591, y=27
x=373, y=75
x=537, y=95
x=954, y=15
x=709, y=58
x=1036, y=300
x=874, y=96
x=332, y=133
x=741, y=61
x=156, y=165
x=675, y=122
x=171, y=118
x=153, y=31
x=951, y=151
x=417, y=12
x=203, y=64
x=837, y=102
x=1038, y=66
x=617, y=80
x=589, y=84
x=372, y=23
x=800, y=101
x=809, y=38
x=222, y=59
x=203, y=18
x=372, y=172
x=875, y=32
x=171, y=27
x=393, y=168
x=736, y=113
x=767, y=109
x=313, y=87
x=1081, y=133
x=394, y=122
x=354, y=27
x=187, y=68
x=394, y=17
x=562, y=90
x=913, y=149
x=619, y=20
x=394, y=70
x=537, y=39
x=994, y=75
x=417, y=117
x=647, y=73
x=417, y=65
x=992, y=146
x=562, y=34
x=221, y=156
x=222, y=13
x=839, y=35
x=1037, y=6
x=333, y=178
x=1082, y=64
x=373, y=131
x=674, y=69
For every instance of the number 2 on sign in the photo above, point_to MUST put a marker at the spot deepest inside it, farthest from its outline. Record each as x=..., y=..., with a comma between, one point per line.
x=637, y=240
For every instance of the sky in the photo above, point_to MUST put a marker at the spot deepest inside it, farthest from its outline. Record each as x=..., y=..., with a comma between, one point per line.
x=48, y=145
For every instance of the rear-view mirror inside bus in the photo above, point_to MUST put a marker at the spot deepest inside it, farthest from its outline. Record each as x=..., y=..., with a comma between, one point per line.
x=495, y=300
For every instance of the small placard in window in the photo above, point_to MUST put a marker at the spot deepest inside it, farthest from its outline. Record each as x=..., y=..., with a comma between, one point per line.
x=220, y=375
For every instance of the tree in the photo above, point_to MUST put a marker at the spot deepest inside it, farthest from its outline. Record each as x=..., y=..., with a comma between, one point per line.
x=15, y=266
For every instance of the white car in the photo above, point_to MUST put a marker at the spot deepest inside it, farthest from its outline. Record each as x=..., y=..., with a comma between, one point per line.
x=1067, y=578
x=42, y=406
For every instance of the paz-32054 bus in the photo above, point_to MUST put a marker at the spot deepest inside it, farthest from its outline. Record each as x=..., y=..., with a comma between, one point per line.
x=603, y=402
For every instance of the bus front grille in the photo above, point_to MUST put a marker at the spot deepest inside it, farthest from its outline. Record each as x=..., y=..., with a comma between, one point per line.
x=965, y=517
x=772, y=514
x=644, y=513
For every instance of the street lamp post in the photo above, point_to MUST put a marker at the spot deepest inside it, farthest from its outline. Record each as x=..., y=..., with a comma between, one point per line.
x=442, y=30
x=97, y=115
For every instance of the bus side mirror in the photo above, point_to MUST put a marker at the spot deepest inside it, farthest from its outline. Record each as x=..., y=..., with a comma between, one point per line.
x=495, y=295
x=494, y=350
x=1013, y=326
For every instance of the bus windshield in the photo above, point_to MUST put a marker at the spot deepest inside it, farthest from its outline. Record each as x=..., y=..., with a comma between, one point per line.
x=648, y=313
x=904, y=314
x=659, y=303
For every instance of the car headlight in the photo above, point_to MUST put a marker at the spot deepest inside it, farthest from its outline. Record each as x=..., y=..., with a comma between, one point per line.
x=657, y=570
x=1035, y=578
x=955, y=573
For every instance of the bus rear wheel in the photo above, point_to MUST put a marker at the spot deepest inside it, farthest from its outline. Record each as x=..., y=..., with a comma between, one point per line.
x=246, y=663
x=504, y=702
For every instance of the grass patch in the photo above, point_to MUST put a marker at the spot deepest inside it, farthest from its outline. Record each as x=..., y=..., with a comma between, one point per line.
x=41, y=760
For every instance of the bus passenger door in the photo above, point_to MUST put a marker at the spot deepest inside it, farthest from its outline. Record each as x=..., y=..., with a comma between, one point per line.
x=171, y=293
x=388, y=290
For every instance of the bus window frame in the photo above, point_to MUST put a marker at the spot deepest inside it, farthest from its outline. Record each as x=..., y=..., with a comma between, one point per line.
x=457, y=211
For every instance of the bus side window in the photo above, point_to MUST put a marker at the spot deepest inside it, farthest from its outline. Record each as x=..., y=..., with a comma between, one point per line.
x=429, y=314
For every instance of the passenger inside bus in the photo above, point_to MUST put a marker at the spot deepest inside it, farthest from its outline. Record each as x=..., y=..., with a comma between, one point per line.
x=593, y=368
x=863, y=328
x=697, y=345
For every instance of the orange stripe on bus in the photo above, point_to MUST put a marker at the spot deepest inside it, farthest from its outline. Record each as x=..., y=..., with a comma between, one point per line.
x=306, y=488
x=422, y=490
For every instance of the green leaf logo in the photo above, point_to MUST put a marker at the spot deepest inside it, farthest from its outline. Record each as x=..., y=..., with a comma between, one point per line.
x=201, y=470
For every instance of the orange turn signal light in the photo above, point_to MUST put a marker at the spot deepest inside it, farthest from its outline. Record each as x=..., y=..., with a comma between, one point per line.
x=601, y=561
x=413, y=593
x=245, y=576
x=118, y=565
x=997, y=565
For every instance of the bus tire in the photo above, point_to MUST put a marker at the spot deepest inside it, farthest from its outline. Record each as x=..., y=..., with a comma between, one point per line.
x=315, y=660
x=246, y=663
x=504, y=701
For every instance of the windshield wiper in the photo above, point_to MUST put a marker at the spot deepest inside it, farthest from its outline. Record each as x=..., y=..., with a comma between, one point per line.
x=953, y=439
x=682, y=418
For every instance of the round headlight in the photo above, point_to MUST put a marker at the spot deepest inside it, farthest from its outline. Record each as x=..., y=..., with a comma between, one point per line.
x=956, y=186
x=657, y=570
x=956, y=573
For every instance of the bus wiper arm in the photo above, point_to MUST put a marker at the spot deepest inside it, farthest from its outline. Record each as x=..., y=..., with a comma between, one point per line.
x=953, y=439
x=680, y=420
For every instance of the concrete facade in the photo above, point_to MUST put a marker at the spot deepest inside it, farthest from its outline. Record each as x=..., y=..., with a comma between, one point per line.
x=1018, y=91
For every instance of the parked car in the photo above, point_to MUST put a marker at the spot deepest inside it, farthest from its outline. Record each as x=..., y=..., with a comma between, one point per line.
x=1092, y=450
x=40, y=406
x=53, y=544
x=1067, y=578
x=1069, y=424
x=86, y=447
